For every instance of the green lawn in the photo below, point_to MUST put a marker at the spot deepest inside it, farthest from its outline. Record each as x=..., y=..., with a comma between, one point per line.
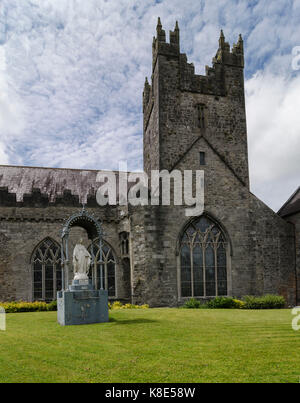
x=153, y=345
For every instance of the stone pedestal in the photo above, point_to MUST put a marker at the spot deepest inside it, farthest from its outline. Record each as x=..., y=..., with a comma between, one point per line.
x=81, y=304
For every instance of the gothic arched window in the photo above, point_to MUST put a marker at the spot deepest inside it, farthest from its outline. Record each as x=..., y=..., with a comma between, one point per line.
x=203, y=268
x=124, y=241
x=46, y=265
x=108, y=266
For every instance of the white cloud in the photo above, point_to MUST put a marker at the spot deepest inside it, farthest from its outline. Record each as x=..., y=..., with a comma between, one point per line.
x=274, y=136
x=11, y=111
x=72, y=77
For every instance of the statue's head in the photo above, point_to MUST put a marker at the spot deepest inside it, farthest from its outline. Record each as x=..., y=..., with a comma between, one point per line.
x=81, y=241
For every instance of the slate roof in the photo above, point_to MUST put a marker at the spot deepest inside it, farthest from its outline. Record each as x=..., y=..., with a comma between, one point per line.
x=292, y=205
x=51, y=182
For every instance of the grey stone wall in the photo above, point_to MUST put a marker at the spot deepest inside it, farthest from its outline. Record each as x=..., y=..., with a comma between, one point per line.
x=22, y=229
x=261, y=243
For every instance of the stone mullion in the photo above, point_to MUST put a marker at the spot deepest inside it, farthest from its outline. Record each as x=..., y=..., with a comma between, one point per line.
x=104, y=266
x=216, y=267
x=54, y=280
x=43, y=280
x=204, y=267
x=95, y=268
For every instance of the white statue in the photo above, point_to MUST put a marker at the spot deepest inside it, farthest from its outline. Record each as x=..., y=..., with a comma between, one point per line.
x=81, y=261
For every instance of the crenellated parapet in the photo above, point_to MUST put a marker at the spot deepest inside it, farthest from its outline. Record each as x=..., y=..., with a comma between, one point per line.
x=7, y=199
x=67, y=199
x=37, y=199
x=225, y=56
x=212, y=83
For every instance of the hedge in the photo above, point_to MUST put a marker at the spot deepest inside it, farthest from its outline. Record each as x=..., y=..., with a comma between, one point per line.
x=39, y=306
x=22, y=306
x=248, y=302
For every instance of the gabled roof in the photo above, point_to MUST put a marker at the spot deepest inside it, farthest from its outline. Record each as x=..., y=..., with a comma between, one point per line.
x=292, y=205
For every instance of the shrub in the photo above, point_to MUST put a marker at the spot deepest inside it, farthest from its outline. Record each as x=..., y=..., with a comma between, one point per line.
x=192, y=304
x=131, y=306
x=216, y=303
x=119, y=305
x=248, y=302
x=116, y=305
x=22, y=306
x=264, y=302
x=52, y=306
x=222, y=302
x=238, y=303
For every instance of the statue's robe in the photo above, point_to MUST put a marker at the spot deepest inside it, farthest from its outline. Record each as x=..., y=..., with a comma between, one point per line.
x=81, y=260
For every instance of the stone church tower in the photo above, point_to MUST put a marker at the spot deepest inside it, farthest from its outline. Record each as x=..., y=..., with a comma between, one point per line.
x=180, y=107
x=155, y=254
x=199, y=122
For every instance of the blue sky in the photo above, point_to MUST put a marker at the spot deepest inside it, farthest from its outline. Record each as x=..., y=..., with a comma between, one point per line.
x=72, y=75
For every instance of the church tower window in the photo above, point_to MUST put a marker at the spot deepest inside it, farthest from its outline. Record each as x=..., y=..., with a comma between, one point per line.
x=203, y=260
x=202, y=158
x=201, y=116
